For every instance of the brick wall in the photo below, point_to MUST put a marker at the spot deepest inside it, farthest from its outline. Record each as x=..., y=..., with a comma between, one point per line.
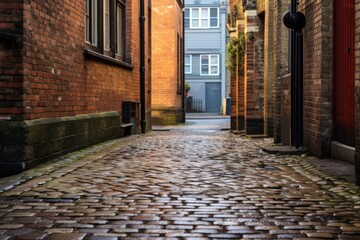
x=59, y=80
x=53, y=78
x=237, y=111
x=281, y=66
x=285, y=112
x=167, y=98
x=268, y=68
x=11, y=65
x=318, y=45
x=357, y=91
x=254, y=72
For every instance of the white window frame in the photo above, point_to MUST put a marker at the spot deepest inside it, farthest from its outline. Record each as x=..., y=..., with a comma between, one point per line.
x=190, y=64
x=107, y=26
x=210, y=65
x=200, y=18
x=91, y=24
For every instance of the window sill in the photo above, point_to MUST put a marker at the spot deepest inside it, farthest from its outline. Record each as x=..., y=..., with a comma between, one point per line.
x=91, y=54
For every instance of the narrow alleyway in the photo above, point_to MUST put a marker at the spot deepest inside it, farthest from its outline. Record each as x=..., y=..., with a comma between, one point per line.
x=195, y=181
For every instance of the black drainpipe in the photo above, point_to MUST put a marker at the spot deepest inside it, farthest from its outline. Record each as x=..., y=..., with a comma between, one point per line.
x=296, y=21
x=142, y=67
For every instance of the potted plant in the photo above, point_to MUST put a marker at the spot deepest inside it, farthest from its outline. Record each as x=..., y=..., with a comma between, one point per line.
x=187, y=88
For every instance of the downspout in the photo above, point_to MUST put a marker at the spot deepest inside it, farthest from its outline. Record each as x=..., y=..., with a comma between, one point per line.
x=293, y=78
x=142, y=68
x=183, y=66
x=296, y=21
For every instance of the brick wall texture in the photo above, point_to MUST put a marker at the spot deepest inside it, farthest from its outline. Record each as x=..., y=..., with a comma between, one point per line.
x=268, y=13
x=58, y=79
x=167, y=18
x=281, y=65
x=11, y=60
x=318, y=45
x=254, y=72
x=44, y=72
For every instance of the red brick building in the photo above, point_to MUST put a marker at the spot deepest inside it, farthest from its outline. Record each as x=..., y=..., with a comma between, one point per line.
x=72, y=73
x=168, y=60
x=331, y=112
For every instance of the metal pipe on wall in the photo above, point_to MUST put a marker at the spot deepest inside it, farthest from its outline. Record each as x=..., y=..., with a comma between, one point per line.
x=142, y=68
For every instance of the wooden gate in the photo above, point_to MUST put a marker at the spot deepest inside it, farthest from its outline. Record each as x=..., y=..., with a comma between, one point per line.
x=344, y=71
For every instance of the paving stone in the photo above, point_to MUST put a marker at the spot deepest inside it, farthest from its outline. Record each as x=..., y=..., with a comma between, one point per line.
x=67, y=236
x=31, y=236
x=194, y=182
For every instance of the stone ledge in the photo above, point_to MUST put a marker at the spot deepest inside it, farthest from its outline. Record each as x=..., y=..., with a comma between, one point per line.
x=25, y=144
x=285, y=150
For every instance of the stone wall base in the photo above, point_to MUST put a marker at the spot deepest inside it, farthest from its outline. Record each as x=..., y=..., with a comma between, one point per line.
x=239, y=125
x=166, y=116
x=25, y=144
x=254, y=126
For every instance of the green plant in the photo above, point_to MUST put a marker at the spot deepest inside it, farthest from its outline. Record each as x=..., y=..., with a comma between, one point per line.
x=187, y=87
x=235, y=49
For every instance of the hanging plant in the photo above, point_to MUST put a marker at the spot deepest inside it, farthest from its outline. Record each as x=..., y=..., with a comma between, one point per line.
x=235, y=53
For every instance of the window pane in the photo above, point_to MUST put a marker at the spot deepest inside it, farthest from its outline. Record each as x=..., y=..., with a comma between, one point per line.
x=87, y=16
x=204, y=60
x=213, y=12
x=213, y=22
x=187, y=68
x=187, y=23
x=187, y=59
x=94, y=20
x=204, y=12
x=205, y=69
x=204, y=23
x=195, y=23
x=120, y=39
x=187, y=13
x=107, y=24
x=214, y=60
x=195, y=13
x=214, y=70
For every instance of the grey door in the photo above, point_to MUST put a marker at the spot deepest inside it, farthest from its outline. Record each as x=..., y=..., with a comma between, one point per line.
x=212, y=97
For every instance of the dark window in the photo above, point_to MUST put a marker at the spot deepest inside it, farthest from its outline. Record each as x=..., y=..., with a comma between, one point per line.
x=105, y=27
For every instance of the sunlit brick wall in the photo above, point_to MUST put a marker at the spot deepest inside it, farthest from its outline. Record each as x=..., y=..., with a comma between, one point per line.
x=167, y=61
x=268, y=67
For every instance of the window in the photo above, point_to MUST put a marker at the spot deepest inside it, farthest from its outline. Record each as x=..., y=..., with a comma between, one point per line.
x=188, y=60
x=105, y=27
x=120, y=30
x=91, y=21
x=201, y=18
x=187, y=18
x=209, y=64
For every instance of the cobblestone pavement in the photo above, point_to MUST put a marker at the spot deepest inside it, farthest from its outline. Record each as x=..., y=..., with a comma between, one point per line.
x=194, y=181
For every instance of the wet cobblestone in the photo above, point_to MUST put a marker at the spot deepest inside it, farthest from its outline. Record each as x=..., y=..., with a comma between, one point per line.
x=193, y=182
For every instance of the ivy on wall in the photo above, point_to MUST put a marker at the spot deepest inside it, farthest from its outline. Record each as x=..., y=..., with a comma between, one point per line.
x=235, y=49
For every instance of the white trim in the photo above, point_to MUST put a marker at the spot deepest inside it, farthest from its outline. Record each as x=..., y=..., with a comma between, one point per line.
x=209, y=56
x=190, y=64
x=199, y=18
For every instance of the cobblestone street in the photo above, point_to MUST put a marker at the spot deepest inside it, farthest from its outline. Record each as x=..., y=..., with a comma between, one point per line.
x=195, y=181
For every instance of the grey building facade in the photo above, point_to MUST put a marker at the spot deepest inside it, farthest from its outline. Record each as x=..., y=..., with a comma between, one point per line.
x=205, y=47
